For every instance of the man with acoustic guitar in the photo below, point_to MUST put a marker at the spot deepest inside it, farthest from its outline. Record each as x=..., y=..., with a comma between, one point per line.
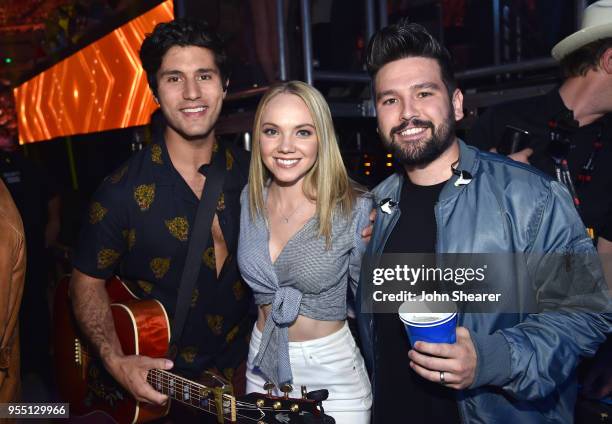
x=141, y=220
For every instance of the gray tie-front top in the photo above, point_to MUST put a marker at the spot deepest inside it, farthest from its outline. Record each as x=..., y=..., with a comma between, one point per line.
x=306, y=278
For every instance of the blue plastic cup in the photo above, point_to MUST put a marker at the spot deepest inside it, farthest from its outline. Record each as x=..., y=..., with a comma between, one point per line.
x=431, y=322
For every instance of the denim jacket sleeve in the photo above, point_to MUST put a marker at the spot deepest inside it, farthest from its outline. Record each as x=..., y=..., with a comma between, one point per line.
x=574, y=305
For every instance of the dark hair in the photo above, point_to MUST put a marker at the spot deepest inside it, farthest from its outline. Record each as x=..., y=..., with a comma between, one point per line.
x=180, y=32
x=581, y=61
x=406, y=39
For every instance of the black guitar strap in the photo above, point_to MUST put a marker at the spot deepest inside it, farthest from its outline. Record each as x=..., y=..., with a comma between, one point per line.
x=198, y=240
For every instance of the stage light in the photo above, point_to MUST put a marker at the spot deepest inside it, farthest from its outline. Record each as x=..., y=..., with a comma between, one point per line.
x=99, y=88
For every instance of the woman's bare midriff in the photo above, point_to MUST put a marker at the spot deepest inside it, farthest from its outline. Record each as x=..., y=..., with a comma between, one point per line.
x=304, y=328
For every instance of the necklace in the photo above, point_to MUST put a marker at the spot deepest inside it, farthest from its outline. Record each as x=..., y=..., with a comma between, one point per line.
x=286, y=218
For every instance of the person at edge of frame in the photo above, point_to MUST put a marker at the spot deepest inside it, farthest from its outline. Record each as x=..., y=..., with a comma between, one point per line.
x=12, y=279
x=580, y=112
x=452, y=198
x=37, y=197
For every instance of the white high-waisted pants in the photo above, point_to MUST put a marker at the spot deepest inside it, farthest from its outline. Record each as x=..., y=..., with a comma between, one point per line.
x=332, y=362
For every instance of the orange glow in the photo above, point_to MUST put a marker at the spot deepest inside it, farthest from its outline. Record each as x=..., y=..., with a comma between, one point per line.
x=101, y=87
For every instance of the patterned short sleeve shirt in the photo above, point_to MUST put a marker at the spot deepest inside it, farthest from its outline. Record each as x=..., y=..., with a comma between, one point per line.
x=138, y=226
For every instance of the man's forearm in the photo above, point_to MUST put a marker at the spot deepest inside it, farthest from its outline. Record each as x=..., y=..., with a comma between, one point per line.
x=93, y=313
x=92, y=309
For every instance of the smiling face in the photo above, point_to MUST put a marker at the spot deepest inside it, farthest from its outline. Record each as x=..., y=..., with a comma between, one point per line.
x=416, y=117
x=190, y=92
x=288, y=139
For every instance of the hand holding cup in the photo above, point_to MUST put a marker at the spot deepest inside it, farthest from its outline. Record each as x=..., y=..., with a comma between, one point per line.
x=441, y=352
x=458, y=360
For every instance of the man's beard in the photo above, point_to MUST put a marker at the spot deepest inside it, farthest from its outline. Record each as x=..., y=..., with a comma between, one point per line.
x=425, y=151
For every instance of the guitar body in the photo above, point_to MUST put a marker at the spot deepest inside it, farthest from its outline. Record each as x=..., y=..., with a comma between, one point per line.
x=143, y=329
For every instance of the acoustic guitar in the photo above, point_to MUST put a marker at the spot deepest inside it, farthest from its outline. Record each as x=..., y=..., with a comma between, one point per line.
x=143, y=328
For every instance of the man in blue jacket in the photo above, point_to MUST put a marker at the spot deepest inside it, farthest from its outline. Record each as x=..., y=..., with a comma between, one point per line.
x=510, y=365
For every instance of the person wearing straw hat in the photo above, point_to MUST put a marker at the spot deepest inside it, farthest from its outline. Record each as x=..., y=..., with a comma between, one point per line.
x=581, y=110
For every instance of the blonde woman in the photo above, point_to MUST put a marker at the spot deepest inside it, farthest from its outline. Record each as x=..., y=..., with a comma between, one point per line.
x=300, y=249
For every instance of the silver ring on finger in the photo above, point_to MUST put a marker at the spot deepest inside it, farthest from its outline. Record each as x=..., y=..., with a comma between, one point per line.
x=442, y=379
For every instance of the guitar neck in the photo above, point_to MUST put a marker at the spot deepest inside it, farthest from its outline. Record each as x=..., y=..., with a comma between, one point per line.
x=214, y=400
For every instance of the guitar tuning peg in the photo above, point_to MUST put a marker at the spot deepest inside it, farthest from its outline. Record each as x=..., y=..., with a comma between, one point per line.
x=269, y=386
x=318, y=395
x=286, y=389
x=304, y=392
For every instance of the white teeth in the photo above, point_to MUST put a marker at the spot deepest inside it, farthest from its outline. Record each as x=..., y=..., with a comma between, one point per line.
x=194, y=109
x=287, y=162
x=413, y=131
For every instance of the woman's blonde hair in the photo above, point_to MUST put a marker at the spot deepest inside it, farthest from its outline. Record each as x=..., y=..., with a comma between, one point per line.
x=327, y=182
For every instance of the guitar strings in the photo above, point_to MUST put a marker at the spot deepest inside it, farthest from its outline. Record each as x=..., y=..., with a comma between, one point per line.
x=225, y=415
x=167, y=376
x=164, y=383
x=154, y=375
x=180, y=379
x=240, y=405
x=194, y=394
x=179, y=384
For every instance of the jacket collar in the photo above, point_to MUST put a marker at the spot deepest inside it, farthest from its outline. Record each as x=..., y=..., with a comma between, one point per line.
x=165, y=170
x=468, y=161
x=162, y=165
x=165, y=174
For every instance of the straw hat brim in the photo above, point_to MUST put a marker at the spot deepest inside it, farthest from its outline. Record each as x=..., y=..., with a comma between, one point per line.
x=581, y=38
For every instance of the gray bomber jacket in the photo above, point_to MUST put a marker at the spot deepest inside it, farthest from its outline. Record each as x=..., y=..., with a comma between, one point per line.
x=526, y=362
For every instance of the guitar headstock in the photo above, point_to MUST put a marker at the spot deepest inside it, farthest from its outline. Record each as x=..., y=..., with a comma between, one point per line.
x=214, y=395
x=307, y=409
